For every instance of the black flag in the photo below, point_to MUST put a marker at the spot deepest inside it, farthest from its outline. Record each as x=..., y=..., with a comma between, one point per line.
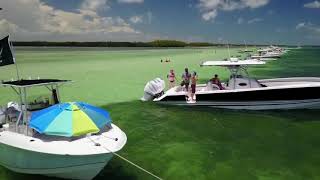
x=6, y=56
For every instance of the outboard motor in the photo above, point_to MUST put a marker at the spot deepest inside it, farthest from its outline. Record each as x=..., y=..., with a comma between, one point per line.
x=2, y=115
x=153, y=89
x=13, y=110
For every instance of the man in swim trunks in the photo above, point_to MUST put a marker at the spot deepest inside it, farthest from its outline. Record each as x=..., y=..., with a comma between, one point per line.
x=194, y=79
x=186, y=79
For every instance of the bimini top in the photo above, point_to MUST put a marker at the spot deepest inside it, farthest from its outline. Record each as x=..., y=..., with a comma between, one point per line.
x=233, y=62
x=34, y=82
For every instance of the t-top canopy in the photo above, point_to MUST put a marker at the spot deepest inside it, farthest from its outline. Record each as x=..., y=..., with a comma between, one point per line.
x=33, y=82
x=233, y=63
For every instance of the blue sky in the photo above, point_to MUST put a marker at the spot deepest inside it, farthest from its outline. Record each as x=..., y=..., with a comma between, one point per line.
x=254, y=21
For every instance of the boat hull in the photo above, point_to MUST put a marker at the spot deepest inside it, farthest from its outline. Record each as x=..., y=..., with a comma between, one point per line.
x=269, y=56
x=264, y=98
x=55, y=165
x=253, y=105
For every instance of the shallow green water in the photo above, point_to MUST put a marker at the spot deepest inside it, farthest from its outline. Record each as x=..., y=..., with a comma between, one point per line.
x=177, y=142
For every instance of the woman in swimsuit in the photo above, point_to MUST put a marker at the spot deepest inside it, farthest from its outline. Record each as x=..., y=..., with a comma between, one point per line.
x=172, y=79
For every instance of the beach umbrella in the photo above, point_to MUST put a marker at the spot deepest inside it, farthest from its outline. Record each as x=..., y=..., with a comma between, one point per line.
x=69, y=119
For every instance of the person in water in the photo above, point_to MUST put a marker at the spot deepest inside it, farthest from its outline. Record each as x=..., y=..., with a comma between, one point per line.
x=194, y=79
x=172, y=79
x=186, y=79
x=216, y=81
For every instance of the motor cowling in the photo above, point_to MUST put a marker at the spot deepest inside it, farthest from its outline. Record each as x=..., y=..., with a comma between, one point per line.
x=153, y=89
x=2, y=115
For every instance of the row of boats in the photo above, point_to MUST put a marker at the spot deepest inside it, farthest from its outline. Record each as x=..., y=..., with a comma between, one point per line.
x=241, y=91
x=269, y=52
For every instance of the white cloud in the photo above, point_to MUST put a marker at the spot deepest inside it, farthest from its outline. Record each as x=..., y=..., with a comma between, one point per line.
x=6, y=26
x=30, y=19
x=210, y=8
x=309, y=31
x=136, y=19
x=309, y=27
x=254, y=3
x=314, y=4
x=130, y=1
x=300, y=25
x=94, y=5
x=209, y=15
x=240, y=20
x=250, y=21
x=145, y=18
x=254, y=20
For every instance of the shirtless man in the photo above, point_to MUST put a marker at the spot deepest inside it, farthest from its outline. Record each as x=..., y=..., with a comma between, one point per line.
x=186, y=79
x=194, y=79
x=216, y=81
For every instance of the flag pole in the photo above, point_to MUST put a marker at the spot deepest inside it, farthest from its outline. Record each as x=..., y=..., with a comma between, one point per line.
x=17, y=70
x=14, y=59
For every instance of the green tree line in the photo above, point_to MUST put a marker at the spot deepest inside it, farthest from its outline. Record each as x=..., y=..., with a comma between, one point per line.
x=155, y=43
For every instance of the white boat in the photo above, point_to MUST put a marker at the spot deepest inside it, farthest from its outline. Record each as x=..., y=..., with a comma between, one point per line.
x=23, y=150
x=266, y=55
x=269, y=52
x=242, y=91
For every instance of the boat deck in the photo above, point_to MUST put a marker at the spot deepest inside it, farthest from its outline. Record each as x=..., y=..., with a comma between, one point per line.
x=24, y=137
x=298, y=81
x=107, y=140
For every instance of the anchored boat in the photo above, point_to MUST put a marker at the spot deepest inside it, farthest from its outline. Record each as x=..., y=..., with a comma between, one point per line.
x=66, y=140
x=242, y=91
x=269, y=52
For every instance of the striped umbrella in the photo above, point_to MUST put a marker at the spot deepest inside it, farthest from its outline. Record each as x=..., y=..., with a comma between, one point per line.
x=69, y=119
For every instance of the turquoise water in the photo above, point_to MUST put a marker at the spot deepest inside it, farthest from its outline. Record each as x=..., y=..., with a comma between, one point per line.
x=202, y=143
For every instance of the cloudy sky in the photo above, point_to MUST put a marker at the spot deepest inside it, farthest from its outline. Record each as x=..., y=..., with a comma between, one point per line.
x=253, y=21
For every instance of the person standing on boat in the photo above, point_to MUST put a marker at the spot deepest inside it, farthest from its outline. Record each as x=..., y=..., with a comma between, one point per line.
x=186, y=79
x=172, y=79
x=194, y=79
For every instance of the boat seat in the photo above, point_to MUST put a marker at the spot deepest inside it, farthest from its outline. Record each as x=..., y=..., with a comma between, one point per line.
x=211, y=87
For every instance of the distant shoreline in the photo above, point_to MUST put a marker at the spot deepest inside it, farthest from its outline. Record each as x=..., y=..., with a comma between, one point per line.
x=152, y=44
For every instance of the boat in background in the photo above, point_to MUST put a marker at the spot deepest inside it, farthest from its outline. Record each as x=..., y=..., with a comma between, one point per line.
x=269, y=52
x=242, y=91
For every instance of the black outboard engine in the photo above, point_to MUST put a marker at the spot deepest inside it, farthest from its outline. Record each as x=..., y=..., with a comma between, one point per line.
x=153, y=89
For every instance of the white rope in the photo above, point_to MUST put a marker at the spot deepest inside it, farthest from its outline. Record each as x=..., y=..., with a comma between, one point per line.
x=128, y=161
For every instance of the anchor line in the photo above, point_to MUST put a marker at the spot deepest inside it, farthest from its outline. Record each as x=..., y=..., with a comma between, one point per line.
x=128, y=161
